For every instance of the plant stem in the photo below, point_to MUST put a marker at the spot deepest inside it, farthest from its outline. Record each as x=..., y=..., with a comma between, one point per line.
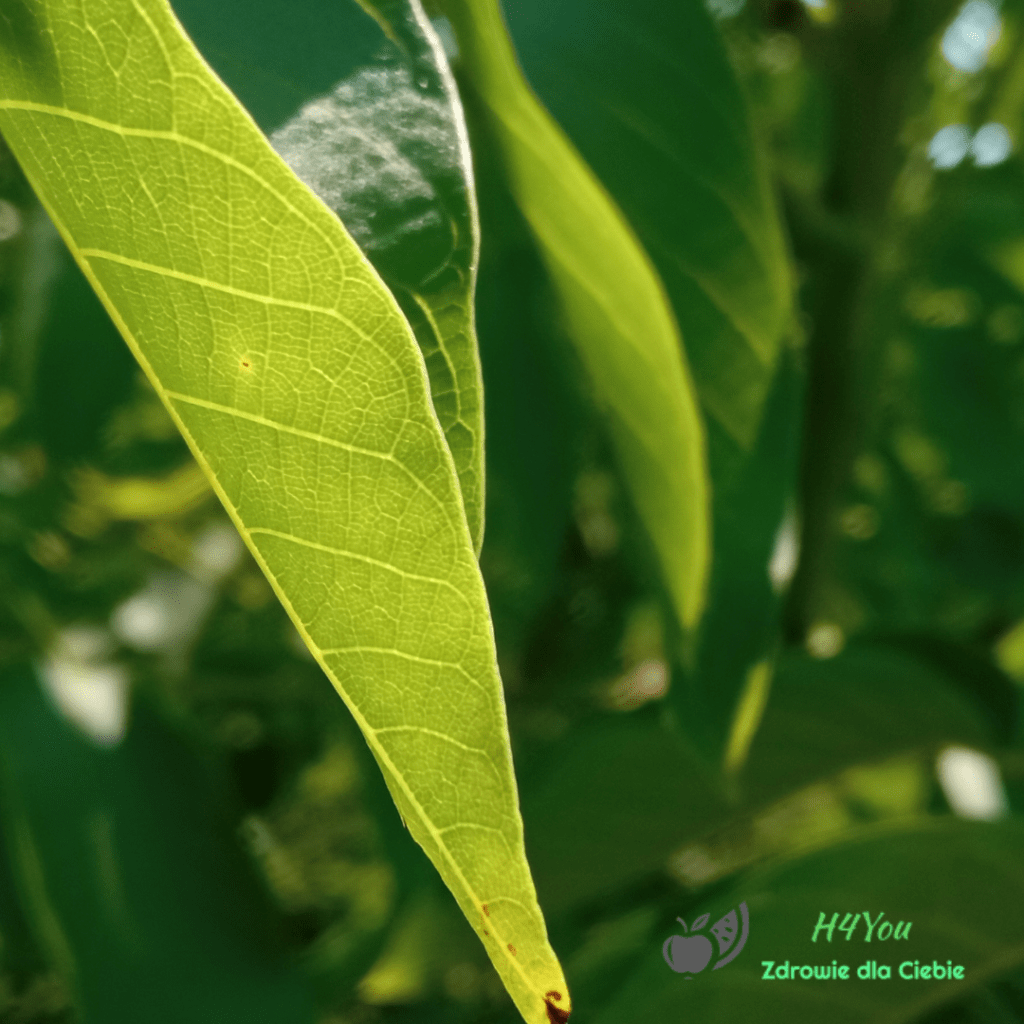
x=874, y=58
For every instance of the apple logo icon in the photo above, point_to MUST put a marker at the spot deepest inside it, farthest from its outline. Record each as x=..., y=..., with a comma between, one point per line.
x=688, y=954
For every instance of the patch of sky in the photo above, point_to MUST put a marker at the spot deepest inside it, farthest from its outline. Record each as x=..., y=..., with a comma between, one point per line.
x=971, y=35
x=949, y=146
x=991, y=144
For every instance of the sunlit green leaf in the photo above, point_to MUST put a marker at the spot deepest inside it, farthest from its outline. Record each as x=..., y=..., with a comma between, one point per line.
x=618, y=315
x=648, y=96
x=298, y=385
x=373, y=124
x=646, y=93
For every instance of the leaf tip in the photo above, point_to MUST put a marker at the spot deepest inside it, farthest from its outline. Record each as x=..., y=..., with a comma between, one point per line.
x=556, y=1015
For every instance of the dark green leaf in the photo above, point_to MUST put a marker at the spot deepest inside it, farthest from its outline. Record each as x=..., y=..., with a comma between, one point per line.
x=617, y=796
x=132, y=875
x=959, y=883
x=865, y=704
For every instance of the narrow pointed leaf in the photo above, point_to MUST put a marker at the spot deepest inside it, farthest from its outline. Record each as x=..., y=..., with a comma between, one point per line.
x=617, y=311
x=362, y=106
x=646, y=92
x=300, y=389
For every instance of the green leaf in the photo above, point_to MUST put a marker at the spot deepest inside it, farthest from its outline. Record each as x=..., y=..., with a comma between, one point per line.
x=958, y=882
x=617, y=796
x=646, y=93
x=131, y=875
x=648, y=96
x=867, y=703
x=747, y=524
x=999, y=1002
x=535, y=415
x=614, y=800
x=616, y=308
x=373, y=125
x=298, y=385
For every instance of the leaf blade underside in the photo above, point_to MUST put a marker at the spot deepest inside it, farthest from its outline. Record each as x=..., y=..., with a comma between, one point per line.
x=651, y=101
x=298, y=386
x=618, y=315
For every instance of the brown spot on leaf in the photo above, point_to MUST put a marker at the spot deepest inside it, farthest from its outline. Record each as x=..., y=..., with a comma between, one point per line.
x=486, y=911
x=557, y=996
x=486, y=932
x=512, y=949
x=245, y=365
x=556, y=1015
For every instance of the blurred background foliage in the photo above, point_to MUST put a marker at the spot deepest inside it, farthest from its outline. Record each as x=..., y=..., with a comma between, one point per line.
x=193, y=828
